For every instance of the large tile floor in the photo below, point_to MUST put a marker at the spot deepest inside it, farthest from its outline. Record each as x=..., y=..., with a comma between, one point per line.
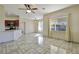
x=37, y=44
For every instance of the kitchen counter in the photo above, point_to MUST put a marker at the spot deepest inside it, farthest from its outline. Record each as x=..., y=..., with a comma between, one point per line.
x=10, y=35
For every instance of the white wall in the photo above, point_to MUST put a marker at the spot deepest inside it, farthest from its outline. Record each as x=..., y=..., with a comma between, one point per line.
x=29, y=26
x=21, y=25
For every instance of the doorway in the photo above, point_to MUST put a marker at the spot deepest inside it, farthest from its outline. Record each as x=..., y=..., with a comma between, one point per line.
x=40, y=26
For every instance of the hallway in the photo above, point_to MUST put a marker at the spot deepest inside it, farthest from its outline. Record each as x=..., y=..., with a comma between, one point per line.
x=37, y=44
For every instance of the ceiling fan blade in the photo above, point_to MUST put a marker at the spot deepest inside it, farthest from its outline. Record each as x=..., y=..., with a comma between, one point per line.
x=34, y=8
x=25, y=5
x=32, y=11
x=22, y=8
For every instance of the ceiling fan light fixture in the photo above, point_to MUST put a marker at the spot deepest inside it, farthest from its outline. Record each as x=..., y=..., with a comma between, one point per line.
x=28, y=11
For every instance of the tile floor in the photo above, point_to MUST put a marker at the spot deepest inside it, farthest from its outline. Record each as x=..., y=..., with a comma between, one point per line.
x=37, y=44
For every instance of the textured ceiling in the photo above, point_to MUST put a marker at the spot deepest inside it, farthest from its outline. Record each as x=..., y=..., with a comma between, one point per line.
x=13, y=9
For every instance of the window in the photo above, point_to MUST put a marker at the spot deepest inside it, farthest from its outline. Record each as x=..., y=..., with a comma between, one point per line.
x=59, y=24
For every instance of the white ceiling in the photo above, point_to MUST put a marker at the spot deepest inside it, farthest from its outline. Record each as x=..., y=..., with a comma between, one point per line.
x=13, y=9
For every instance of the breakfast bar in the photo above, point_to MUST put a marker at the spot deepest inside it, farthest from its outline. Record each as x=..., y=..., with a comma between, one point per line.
x=10, y=35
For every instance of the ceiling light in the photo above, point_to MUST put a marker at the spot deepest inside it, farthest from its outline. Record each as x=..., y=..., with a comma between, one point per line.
x=28, y=11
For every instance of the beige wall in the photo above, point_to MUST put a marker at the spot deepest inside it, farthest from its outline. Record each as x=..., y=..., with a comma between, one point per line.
x=73, y=22
x=45, y=25
x=36, y=26
x=29, y=26
x=2, y=16
x=11, y=17
x=21, y=25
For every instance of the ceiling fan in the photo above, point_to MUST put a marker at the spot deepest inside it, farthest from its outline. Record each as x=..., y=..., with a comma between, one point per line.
x=28, y=8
